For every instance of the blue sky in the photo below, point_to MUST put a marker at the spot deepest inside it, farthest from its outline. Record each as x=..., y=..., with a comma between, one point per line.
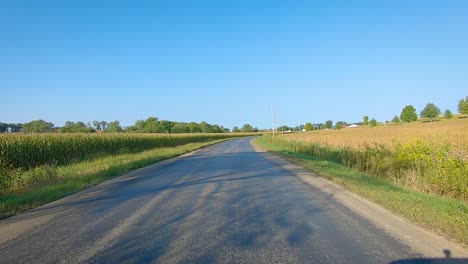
x=224, y=62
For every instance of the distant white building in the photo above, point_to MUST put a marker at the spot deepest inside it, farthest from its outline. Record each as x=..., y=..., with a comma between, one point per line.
x=353, y=125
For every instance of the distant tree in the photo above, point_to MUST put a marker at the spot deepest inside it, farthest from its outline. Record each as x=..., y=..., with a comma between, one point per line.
x=463, y=106
x=308, y=127
x=204, y=127
x=130, y=129
x=165, y=126
x=78, y=127
x=235, y=129
x=11, y=127
x=97, y=125
x=3, y=127
x=430, y=111
x=140, y=126
x=448, y=114
x=194, y=127
x=114, y=127
x=180, y=128
x=339, y=125
x=396, y=119
x=80, y=124
x=37, y=126
x=373, y=122
x=215, y=129
x=329, y=124
x=366, y=120
x=103, y=125
x=408, y=114
x=283, y=128
x=154, y=125
x=247, y=128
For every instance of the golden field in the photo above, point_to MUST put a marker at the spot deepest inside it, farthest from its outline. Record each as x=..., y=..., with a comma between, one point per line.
x=453, y=132
x=430, y=157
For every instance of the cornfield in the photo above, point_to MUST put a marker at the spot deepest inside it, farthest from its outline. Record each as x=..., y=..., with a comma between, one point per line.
x=429, y=157
x=27, y=151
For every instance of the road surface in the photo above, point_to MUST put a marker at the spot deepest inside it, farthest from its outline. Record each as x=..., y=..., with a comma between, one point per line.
x=223, y=204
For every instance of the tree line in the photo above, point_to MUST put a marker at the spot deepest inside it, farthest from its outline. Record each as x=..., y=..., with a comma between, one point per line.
x=149, y=125
x=408, y=114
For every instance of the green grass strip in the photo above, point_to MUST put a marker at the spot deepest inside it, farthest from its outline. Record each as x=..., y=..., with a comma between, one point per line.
x=445, y=216
x=79, y=176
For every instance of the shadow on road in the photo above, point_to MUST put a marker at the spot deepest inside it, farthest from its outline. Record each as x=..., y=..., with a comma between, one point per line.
x=447, y=260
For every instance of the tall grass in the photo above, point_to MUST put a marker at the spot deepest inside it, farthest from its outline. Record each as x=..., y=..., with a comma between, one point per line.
x=429, y=158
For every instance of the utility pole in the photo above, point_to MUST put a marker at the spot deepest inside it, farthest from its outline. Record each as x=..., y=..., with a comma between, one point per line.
x=272, y=120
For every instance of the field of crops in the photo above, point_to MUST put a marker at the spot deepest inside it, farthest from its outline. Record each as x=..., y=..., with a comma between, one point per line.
x=429, y=157
x=21, y=152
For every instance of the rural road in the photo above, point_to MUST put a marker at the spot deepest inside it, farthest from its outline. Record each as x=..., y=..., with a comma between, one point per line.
x=226, y=203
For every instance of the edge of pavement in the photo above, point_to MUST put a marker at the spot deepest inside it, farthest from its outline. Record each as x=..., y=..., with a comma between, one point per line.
x=418, y=239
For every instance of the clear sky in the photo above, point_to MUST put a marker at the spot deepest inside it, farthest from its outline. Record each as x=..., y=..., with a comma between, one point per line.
x=224, y=62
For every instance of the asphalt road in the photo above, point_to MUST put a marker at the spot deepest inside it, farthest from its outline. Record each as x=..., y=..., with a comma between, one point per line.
x=223, y=204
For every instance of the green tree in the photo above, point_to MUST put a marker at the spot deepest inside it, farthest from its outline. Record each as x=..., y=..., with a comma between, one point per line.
x=247, y=128
x=78, y=127
x=430, y=111
x=329, y=124
x=204, y=127
x=235, y=129
x=339, y=124
x=180, y=128
x=104, y=125
x=408, y=114
x=97, y=125
x=373, y=122
x=194, y=127
x=114, y=127
x=463, y=106
x=166, y=126
x=3, y=127
x=396, y=119
x=366, y=120
x=140, y=126
x=308, y=126
x=283, y=129
x=448, y=114
x=37, y=126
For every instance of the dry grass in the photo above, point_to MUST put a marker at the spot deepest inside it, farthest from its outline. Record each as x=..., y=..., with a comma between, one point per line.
x=428, y=157
x=454, y=132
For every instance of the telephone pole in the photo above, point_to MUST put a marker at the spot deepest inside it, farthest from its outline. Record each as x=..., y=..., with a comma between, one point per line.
x=272, y=120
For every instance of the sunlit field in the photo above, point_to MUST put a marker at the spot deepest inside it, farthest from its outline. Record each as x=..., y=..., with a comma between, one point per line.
x=454, y=132
x=430, y=157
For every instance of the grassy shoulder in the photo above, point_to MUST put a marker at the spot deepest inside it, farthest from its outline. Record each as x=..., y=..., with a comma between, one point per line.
x=65, y=180
x=445, y=216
